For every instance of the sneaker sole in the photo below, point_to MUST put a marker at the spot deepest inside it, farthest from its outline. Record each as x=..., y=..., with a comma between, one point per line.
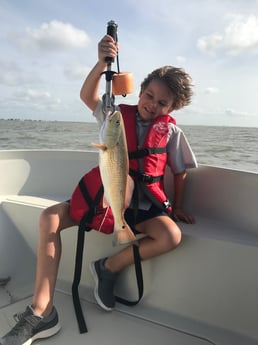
x=44, y=334
x=96, y=295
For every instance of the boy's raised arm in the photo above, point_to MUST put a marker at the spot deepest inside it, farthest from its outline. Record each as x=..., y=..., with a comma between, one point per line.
x=90, y=89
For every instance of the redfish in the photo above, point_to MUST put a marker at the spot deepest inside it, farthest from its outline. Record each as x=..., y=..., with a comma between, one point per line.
x=114, y=171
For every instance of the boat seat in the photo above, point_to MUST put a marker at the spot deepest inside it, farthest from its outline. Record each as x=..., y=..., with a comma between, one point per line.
x=210, y=248
x=204, y=227
x=28, y=200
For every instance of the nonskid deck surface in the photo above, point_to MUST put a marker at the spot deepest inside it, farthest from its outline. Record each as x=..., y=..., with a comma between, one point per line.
x=109, y=328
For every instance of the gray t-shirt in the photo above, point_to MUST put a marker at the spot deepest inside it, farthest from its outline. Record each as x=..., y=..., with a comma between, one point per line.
x=179, y=153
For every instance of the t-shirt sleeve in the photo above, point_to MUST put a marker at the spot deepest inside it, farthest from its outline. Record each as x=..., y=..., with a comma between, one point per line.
x=180, y=154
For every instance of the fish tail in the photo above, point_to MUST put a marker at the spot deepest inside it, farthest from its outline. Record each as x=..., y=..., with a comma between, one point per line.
x=124, y=235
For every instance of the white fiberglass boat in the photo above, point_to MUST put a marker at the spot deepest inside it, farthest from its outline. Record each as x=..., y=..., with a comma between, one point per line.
x=204, y=292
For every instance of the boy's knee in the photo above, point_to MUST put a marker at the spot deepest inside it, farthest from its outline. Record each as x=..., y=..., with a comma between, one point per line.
x=56, y=217
x=45, y=217
x=50, y=218
x=177, y=237
x=174, y=238
x=46, y=213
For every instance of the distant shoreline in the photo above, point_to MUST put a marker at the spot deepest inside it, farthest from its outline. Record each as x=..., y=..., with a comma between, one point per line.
x=94, y=122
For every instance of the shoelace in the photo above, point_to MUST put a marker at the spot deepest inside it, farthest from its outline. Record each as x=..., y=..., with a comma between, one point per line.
x=18, y=329
x=18, y=316
x=25, y=325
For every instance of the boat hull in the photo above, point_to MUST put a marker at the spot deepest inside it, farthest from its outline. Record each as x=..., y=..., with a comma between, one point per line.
x=204, y=292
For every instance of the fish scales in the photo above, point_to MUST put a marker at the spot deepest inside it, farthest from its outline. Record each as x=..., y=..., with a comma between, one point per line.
x=114, y=168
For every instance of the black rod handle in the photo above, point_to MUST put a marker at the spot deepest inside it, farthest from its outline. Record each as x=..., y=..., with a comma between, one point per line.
x=111, y=31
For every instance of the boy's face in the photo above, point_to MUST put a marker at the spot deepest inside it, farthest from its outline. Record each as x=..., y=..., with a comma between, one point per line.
x=156, y=99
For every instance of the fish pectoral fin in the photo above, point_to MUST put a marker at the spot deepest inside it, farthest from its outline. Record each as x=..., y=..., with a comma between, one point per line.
x=105, y=202
x=100, y=146
x=129, y=191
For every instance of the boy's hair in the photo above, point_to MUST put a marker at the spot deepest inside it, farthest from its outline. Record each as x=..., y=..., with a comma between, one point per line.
x=177, y=80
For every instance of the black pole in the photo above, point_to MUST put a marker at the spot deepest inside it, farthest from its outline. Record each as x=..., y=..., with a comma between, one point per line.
x=108, y=98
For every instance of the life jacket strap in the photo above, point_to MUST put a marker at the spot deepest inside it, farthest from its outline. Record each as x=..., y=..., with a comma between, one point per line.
x=79, y=260
x=144, y=177
x=146, y=152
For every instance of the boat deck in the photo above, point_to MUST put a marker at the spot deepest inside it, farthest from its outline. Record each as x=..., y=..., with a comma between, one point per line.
x=117, y=327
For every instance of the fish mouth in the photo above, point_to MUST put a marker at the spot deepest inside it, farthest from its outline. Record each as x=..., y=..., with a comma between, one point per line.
x=114, y=117
x=111, y=115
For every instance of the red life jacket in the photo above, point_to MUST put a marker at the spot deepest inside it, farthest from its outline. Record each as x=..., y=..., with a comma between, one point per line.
x=147, y=164
x=86, y=204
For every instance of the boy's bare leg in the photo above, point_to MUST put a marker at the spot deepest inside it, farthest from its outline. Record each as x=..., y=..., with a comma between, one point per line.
x=163, y=235
x=52, y=221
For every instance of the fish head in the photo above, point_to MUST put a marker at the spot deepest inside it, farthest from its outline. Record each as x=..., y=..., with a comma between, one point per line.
x=111, y=128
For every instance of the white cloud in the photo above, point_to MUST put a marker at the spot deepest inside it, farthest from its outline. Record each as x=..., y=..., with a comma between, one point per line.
x=211, y=90
x=14, y=74
x=11, y=73
x=52, y=36
x=180, y=59
x=234, y=113
x=240, y=35
x=210, y=44
x=54, y=57
x=77, y=72
x=35, y=98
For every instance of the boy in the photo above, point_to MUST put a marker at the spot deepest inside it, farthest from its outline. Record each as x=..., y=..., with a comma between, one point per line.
x=164, y=90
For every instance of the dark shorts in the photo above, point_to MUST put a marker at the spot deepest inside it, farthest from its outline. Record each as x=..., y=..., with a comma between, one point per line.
x=142, y=215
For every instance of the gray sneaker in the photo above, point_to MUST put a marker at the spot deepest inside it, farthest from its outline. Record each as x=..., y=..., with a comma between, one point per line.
x=105, y=282
x=31, y=327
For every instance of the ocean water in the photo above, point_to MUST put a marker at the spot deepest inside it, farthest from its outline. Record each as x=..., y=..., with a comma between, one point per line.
x=228, y=147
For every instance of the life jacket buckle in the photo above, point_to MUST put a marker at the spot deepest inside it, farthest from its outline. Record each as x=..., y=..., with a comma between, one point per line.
x=167, y=204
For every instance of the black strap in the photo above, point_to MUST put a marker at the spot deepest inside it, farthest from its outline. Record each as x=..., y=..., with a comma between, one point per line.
x=146, y=152
x=144, y=177
x=139, y=278
x=87, y=218
x=77, y=279
x=92, y=203
x=85, y=192
x=79, y=259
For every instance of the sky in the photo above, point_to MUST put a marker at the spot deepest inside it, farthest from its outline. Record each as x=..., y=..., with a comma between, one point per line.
x=48, y=48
